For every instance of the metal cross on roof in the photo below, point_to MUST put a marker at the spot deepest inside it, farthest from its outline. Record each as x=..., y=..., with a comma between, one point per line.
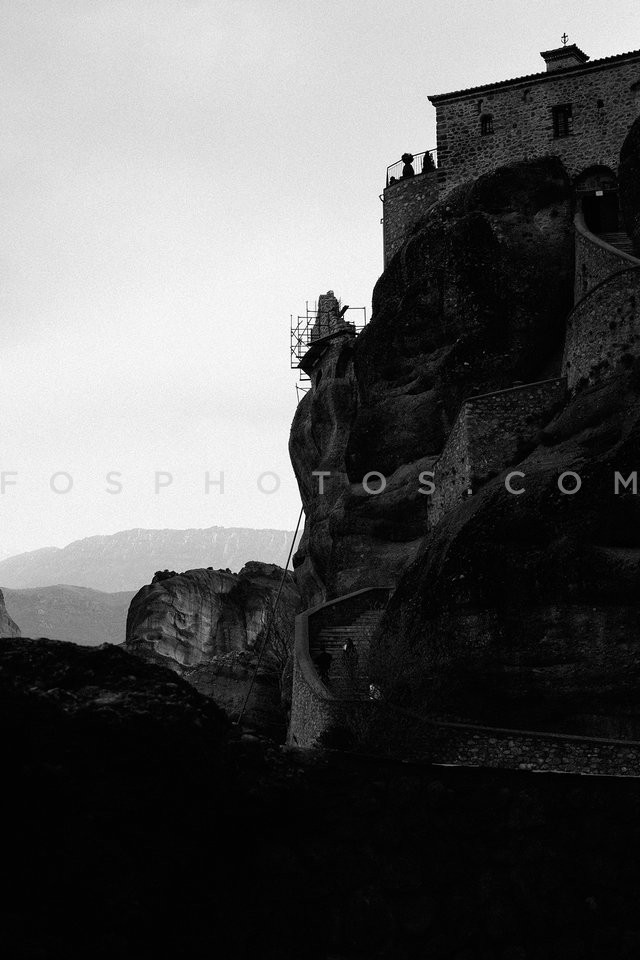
x=564, y=39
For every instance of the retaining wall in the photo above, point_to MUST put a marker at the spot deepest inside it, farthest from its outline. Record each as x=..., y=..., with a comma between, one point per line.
x=596, y=260
x=603, y=330
x=405, y=202
x=473, y=746
x=486, y=437
x=314, y=709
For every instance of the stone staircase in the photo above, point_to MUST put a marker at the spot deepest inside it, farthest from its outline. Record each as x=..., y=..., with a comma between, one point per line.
x=333, y=639
x=621, y=240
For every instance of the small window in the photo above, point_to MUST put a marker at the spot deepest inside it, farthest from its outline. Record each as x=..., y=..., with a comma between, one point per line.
x=479, y=106
x=562, y=121
x=486, y=124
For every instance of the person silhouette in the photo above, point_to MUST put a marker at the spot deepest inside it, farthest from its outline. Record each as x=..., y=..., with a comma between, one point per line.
x=323, y=663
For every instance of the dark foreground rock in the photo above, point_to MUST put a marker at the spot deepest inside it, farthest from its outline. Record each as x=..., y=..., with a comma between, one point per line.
x=139, y=826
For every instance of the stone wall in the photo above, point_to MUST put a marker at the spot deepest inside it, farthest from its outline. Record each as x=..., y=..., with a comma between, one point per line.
x=603, y=329
x=604, y=104
x=312, y=712
x=500, y=424
x=452, y=471
x=314, y=708
x=405, y=203
x=595, y=260
x=515, y=749
x=470, y=745
x=487, y=436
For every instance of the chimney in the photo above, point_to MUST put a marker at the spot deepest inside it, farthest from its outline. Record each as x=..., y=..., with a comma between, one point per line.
x=563, y=57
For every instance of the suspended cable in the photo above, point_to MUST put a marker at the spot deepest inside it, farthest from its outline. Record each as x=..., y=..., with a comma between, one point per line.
x=271, y=619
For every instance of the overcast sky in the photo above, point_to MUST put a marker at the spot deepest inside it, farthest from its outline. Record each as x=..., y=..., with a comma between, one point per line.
x=178, y=177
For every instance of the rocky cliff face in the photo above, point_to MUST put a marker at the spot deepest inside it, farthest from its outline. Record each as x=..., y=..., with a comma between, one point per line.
x=7, y=626
x=521, y=610
x=208, y=626
x=474, y=301
x=516, y=610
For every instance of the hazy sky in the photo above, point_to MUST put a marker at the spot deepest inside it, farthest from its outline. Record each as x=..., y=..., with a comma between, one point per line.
x=178, y=177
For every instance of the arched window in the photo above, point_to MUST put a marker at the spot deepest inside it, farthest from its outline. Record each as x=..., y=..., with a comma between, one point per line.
x=486, y=124
x=597, y=195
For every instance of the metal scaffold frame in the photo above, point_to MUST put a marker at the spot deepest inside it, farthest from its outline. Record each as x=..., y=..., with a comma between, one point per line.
x=301, y=327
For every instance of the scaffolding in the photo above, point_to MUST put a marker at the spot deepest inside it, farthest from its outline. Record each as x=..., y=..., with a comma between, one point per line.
x=301, y=338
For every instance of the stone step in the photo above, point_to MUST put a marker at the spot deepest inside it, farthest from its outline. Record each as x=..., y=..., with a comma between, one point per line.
x=621, y=240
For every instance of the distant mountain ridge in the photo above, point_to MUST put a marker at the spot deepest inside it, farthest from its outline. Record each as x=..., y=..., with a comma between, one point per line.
x=127, y=560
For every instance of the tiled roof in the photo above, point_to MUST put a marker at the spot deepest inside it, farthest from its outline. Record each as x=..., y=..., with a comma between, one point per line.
x=553, y=74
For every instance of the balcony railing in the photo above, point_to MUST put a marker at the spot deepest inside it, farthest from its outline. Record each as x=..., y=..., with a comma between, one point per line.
x=421, y=163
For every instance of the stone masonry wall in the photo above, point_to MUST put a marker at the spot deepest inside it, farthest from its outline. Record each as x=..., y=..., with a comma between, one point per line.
x=603, y=330
x=406, y=202
x=523, y=124
x=311, y=713
x=500, y=424
x=478, y=747
x=313, y=710
x=452, y=472
x=486, y=438
x=595, y=260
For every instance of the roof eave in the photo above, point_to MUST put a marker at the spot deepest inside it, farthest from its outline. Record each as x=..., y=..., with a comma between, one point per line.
x=542, y=75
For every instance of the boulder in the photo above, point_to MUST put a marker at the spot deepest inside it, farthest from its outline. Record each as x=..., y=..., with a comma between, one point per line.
x=208, y=626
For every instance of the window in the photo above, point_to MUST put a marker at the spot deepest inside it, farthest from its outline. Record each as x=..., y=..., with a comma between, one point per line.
x=562, y=121
x=486, y=124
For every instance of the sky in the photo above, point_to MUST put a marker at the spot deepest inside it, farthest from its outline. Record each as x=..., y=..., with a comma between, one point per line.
x=178, y=178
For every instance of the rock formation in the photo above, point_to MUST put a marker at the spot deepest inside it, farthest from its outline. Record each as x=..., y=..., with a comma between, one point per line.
x=208, y=626
x=474, y=301
x=515, y=611
x=521, y=610
x=7, y=626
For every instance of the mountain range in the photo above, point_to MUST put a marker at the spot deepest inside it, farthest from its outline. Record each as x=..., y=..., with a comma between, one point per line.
x=127, y=560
